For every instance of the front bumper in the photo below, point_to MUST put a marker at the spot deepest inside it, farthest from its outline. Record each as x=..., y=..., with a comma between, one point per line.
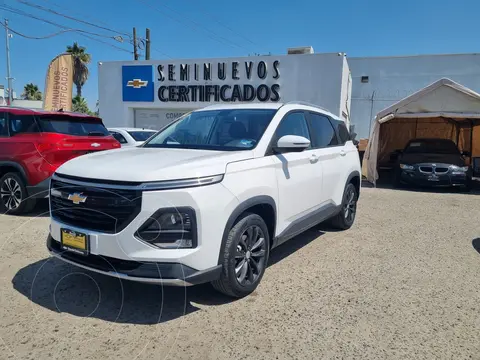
x=172, y=274
x=138, y=260
x=441, y=180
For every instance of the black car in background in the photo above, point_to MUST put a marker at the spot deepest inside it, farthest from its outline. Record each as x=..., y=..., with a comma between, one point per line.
x=432, y=162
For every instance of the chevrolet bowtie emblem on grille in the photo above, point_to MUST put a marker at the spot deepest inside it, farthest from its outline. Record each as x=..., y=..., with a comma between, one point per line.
x=95, y=144
x=137, y=83
x=77, y=198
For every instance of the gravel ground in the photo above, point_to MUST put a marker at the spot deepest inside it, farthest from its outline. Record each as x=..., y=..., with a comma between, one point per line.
x=402, y=283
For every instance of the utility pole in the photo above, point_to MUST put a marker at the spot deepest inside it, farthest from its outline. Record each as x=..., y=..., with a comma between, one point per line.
x=147, y=45
x=135, y=45
x=9, y=77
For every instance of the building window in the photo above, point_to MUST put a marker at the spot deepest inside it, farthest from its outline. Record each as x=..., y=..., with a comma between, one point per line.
x=364, y=79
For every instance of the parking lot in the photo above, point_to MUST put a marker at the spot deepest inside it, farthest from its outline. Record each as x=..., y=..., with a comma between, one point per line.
x=402, y=283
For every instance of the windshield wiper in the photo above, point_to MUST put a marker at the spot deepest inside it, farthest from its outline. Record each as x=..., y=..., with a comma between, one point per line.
x=96, y=133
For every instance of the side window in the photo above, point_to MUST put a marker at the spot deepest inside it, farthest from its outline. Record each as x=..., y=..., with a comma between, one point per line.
x=343, y=132
x=3, y=124
x=293, y=124
x=21, y=124
x=323, y=132
x=118, y=137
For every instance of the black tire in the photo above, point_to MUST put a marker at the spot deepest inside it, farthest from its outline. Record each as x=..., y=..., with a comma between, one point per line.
x=14, y=196
x=239, y=248
x=346, y=217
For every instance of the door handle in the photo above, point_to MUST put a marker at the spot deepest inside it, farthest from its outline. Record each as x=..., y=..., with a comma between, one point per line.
x=343, y=153
x=313, y=159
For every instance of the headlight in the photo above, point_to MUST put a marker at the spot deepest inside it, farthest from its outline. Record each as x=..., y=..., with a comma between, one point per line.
x=459, y=168
x=170, y=228
x=406, y=167
x=183, y=183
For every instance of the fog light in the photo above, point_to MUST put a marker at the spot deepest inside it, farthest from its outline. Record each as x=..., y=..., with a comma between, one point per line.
x=170, y=228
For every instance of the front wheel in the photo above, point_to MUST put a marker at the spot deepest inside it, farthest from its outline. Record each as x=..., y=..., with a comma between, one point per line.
x=245, y=257
x=346, y=217
x=13, y=195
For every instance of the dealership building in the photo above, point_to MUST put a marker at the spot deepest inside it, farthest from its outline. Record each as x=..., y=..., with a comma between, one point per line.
x=152, y=93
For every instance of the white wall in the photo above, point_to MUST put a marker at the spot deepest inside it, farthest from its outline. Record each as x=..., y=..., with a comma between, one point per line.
x=315, y=78
x=394, y=78
x=31, y=104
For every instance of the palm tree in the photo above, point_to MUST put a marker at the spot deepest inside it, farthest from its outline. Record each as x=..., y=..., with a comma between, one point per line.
x=79, y=104
x=31, y=92
x=80, y=69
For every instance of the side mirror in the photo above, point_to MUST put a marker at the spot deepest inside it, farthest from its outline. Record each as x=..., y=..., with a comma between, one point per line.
x=395, y=155
x=291, y=143
x=466, y=153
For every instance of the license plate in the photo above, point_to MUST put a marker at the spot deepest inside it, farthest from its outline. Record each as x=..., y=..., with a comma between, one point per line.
x=74, y=241
x=433, y=178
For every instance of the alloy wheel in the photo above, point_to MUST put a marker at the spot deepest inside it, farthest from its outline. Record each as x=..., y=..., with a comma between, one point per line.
x=11, y=193
x=250, y=255
x=350, y=207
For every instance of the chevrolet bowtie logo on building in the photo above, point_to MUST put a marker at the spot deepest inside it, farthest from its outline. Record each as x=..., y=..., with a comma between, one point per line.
x=77, y=198
x=137, y=83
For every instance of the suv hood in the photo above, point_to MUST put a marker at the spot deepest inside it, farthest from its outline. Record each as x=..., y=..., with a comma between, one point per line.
x=151, y=164
x=451, y=159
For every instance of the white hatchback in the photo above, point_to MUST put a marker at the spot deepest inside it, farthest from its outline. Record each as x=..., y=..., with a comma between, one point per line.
x=131, y=136
x=208, y=197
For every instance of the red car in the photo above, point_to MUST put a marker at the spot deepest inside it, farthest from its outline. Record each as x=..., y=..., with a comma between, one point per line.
x=34, y=143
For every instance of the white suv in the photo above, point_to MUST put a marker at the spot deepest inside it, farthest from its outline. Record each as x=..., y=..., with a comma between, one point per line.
x=208, y=197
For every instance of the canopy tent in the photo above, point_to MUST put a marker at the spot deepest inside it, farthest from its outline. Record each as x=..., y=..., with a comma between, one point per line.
x=444, y=109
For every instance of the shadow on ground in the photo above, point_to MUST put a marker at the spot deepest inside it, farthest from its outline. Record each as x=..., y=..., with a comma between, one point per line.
x=61, y=287
x=476, y=244
x=41, y=209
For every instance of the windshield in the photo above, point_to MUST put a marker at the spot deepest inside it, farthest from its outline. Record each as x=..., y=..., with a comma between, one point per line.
x=141, y=135
x=432, y=147
x=72, y=126
x=215, y=130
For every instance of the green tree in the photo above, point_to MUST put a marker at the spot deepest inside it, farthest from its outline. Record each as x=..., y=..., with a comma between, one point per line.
x=79, y=104
x=81, y=59
x=31, y=92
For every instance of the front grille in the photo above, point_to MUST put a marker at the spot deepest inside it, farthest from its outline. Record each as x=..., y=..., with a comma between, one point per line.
x=432, y=169
x=426, y=169
x=441, y=170
x=107, y=210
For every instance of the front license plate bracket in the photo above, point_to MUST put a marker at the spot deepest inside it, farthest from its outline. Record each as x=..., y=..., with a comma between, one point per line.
x=74, y=241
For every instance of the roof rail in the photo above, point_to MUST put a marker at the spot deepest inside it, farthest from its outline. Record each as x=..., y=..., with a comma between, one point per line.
x=307, y=104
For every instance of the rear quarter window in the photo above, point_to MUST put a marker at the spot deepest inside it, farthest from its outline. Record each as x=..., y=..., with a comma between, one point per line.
x=76, y=126
x=343, y=133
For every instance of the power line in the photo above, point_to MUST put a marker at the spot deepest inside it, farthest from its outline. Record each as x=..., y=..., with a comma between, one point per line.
x=20, y=12
x=226, y=27
x=196, y=25
x=88, y=23
x=84, y=16
x=82, y=33
x=70, y=17
x=42, y=37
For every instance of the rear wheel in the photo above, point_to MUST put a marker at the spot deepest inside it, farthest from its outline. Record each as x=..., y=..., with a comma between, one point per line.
x=245, y=257
x=346, y=217
x=13, y=195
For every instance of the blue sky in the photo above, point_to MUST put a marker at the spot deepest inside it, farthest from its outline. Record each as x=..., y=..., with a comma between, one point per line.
x=192, y=28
